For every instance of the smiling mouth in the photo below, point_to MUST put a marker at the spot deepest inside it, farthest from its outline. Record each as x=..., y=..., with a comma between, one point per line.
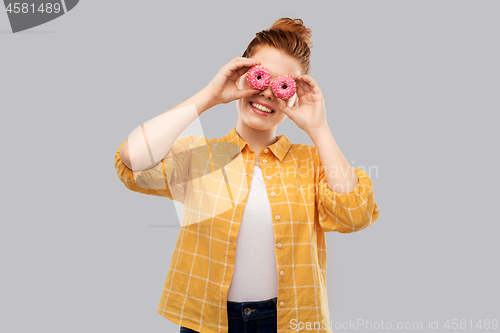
x=256, y=107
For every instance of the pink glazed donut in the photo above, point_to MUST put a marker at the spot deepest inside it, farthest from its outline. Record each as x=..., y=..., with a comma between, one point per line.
x=259, y=77
x=284, y=86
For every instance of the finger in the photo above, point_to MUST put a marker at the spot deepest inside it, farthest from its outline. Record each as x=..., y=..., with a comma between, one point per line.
x=284, y=106
x=243, y=93
x=312, y=84
x=236, y=73
x=241, y=67
x=242, y=62
x=243, y=70
x=300, y=89
x=245, y=58
x=301, y=85
x=304, y=83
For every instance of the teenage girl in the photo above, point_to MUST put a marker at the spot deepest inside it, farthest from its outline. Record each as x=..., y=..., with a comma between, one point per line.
x=275, y=276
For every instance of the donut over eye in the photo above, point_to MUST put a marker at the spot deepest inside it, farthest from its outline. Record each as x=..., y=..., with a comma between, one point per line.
x=284, y=86
x=259, y=77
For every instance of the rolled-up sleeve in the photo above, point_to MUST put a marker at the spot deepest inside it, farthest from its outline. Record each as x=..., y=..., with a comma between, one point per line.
x=166, y=179
x=346, y=212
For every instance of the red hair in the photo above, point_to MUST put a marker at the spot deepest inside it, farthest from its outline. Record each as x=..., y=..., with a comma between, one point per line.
x=287, y=35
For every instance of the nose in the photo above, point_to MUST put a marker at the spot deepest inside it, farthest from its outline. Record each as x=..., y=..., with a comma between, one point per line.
x=267, y=93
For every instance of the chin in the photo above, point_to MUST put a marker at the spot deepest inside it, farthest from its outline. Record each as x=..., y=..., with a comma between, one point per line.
x=260, y=127
x=256, y=123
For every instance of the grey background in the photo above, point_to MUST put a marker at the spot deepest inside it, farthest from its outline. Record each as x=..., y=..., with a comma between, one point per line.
x=411, y=87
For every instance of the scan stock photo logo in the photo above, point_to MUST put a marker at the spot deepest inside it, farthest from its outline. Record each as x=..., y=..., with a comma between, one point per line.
x=24, y=15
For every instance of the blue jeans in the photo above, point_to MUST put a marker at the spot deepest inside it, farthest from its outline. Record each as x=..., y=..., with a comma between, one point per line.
x=250, y=317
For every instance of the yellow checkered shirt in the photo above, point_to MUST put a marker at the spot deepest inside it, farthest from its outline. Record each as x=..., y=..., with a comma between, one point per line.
x=212, y=178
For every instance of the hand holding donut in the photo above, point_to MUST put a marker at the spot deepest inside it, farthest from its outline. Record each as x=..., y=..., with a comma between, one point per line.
x=223, y=87
x=310, y=115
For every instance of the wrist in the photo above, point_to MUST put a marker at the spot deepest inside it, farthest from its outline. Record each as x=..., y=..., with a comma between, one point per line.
x=319, y=132
x=209, y=97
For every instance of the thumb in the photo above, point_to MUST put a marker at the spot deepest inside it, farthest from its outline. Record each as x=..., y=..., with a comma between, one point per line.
x=284, y=106
x=243, y=93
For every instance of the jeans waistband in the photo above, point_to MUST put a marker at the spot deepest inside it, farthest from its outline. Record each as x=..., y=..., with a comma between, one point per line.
x=252, y=310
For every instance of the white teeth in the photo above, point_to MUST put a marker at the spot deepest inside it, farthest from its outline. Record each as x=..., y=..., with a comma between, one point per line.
x=262, y=108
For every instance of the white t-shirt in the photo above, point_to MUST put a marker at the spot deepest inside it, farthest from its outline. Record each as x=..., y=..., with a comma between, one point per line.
x=255, y=276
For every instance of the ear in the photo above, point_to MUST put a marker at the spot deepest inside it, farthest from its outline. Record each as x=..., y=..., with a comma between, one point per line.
x=296, y=102
x=238, y=80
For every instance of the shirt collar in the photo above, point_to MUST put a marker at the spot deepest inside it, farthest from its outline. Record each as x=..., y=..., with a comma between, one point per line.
x=279, y=148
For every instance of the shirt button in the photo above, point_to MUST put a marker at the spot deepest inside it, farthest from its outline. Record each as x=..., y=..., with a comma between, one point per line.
x=268, y=177
x=281, y=273
x=266, y=150
x=272, y=194
x=282, y=303
x=278, y=245
x=277, y=217
x=264, y=161
x=248, y=311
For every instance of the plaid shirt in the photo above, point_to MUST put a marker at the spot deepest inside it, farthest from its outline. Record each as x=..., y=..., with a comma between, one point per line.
x=212, y=179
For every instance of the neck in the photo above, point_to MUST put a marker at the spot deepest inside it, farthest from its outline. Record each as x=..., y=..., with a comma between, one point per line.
x=257, y=139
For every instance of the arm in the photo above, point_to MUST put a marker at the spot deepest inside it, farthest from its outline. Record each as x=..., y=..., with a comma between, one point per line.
x=345, y=196
x=149, y=143
x=351, y=207
x=168, y=178
x=153, y=161
x=340, y=176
